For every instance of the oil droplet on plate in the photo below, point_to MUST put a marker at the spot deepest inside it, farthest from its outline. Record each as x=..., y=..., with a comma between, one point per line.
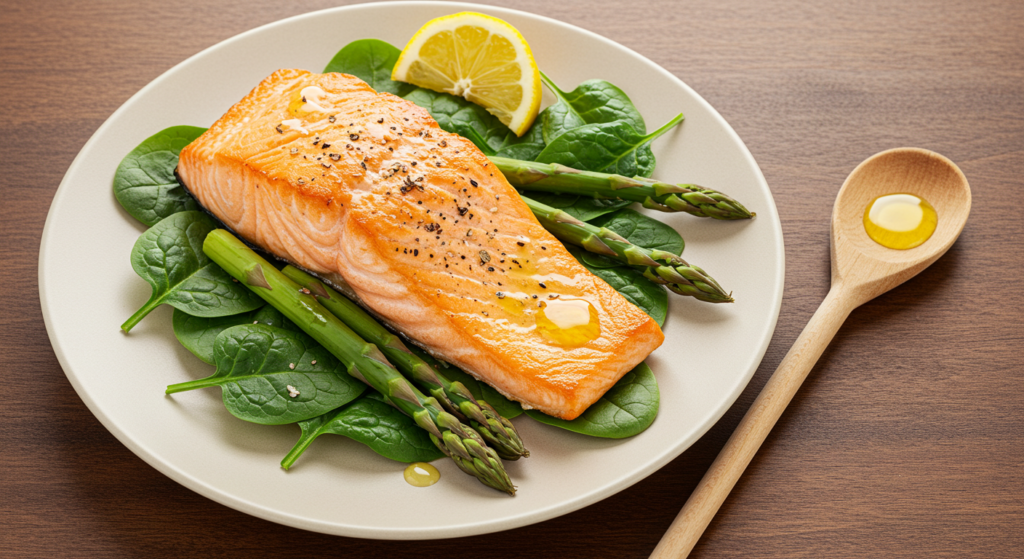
x=568, y=322
x=900, y=221
x=421, y=474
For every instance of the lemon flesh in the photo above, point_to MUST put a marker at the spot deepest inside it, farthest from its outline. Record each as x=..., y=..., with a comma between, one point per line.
x=480, y=58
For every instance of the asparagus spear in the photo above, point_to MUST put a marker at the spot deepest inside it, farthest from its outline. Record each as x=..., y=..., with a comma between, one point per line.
x=499, y=432
x=658, y=266
x=363, y=360
x=656, y=195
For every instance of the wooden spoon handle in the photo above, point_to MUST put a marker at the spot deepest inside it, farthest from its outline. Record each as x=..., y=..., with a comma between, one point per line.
x=727, y=468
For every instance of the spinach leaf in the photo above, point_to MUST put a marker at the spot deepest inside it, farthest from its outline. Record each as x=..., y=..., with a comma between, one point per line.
x=370, y=60
x=473, y=122
x=583, y=208
x=631, y=284
x=369, y=420
x=626, y=410
x=642, y=231
x=144, y=182
x=272, y=317
x=526, y=148
x=591, y=260
x=169, y=256
x=642, y=292
x=593, y=101
x=480, y=390
x=607, y=147
x=197, y=333
x=272, y=376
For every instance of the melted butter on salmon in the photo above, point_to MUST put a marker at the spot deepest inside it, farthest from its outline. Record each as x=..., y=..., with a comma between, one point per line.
x=324, y=172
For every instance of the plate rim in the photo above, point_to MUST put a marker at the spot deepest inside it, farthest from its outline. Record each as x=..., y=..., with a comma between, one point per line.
x=394, y=533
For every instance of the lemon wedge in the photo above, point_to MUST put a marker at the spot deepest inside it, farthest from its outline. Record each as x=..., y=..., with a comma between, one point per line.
x=478, y=57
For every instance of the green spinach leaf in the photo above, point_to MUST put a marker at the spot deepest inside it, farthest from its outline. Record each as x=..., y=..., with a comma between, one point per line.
x=631, y=284
x=626, y=410
x=607, y=147
x=198, y=333
x=473, y=122
x=169, y=256
x=583, y=208
x=370, y=60
x=144, y=182
x=272, y=376
x=272, y=317
x=642, y=231
x=369, y=420
x=526, y=148
x=593, y=101
x=591, y=260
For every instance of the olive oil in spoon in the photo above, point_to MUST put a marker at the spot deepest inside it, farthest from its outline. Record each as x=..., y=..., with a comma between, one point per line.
x=900, y=221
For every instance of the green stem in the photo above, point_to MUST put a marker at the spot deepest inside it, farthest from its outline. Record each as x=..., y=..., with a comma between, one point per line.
x=658, y=266
x=668, y=126
x=647, y=139
x=193, y=385
x=140, y=314
x=297, y=451
x=558, y=93
x=653, y=194
x=551, y=85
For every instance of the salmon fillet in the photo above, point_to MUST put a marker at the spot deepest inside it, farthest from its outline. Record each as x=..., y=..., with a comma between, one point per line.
x=324, y=172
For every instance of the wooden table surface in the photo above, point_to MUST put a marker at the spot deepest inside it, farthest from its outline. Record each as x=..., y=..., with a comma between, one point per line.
x=907, y=439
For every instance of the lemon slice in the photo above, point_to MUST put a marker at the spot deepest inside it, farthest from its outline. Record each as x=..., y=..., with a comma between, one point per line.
x=480, y=58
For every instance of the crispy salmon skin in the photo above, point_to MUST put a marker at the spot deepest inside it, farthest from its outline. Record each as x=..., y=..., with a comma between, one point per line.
x=322, y=171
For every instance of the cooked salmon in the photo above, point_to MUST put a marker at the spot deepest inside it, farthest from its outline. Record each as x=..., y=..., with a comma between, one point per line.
x=324, y=172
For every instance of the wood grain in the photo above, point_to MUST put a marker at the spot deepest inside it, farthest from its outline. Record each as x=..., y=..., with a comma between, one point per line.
x=861, y=270
x=907, y=439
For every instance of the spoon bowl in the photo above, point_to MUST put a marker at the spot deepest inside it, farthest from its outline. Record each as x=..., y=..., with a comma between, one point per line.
x=869, y=269
x=861, y=270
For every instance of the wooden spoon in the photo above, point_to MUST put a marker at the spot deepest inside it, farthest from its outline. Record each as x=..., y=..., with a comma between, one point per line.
x=861, y=271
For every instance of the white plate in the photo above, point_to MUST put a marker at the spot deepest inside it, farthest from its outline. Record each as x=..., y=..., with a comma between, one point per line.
x=87, y=289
